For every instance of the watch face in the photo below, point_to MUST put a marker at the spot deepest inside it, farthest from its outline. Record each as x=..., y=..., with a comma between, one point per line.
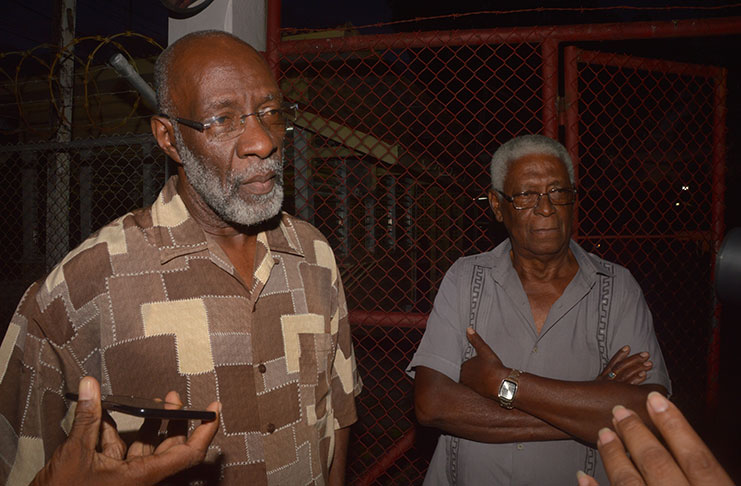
x=507, y=390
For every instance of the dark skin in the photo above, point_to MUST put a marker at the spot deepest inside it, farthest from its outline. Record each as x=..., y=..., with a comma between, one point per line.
x=217, y=73
x=688, y=461
x=145, y=462
x=545, y=409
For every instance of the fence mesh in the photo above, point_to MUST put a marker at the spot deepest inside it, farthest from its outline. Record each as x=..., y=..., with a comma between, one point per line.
x=644, y=132
x=389, y=159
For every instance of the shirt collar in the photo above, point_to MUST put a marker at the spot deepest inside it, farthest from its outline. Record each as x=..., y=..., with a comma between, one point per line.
x=176, y=233
x=589, y=265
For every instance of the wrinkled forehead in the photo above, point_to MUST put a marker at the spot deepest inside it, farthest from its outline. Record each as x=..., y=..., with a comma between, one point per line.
x=537, y=165
x=216, y=68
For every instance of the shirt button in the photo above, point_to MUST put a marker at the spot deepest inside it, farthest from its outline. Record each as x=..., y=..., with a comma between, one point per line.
x=520, y=447
x=535, y=349
x=270, y=428
x=261, y=368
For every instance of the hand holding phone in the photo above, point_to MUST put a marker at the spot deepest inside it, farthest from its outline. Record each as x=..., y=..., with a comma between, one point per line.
x=144, y=407
x=95, y=454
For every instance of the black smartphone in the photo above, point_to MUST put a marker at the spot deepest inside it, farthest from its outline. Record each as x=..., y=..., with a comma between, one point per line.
x=144, y=407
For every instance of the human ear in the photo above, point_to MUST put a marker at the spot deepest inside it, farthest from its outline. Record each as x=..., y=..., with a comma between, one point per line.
x=165, y=136
x=495, y=205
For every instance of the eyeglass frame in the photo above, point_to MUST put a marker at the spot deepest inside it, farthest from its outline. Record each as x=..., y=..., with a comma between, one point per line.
x=511, y=199
x=203, y=126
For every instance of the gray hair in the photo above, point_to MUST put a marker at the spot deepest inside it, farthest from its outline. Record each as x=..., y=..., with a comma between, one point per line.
x=164, y=63
x=526, y=145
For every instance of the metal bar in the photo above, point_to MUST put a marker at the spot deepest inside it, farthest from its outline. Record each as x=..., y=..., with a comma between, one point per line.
x=571, y=104
x=79, y=144
x=272, y=46
x=695, y=236
x=593, y=32
x=654, y=65
x=387, y=460
x=717, y=229
x=549, y=53
x=388, y=319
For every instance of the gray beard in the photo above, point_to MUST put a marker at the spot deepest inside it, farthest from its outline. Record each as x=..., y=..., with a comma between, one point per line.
x=223, y=197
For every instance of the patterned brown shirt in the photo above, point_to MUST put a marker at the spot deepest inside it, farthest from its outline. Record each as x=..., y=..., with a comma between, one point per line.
x=149, y=304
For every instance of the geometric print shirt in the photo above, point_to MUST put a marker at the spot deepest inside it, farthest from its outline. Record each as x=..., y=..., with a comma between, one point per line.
x=150, y=304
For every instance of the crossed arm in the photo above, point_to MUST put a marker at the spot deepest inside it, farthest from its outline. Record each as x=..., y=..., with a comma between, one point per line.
x=545, y=409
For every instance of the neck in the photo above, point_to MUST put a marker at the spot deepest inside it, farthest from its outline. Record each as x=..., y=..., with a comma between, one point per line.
x=544, y=267
x=207, y=219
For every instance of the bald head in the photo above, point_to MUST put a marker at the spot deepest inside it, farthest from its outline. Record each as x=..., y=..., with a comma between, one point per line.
x=177, y=59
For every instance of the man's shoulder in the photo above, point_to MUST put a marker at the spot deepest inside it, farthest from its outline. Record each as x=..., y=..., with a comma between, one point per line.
x=91, y=260
x=487, y=259
x=305, y=231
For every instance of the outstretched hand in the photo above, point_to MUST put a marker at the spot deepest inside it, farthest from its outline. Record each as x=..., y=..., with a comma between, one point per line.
x=77, y=462
x=485, y=371
x=688, y=461
x=627, y=369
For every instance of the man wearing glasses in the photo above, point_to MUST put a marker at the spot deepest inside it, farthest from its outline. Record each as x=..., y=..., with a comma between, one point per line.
x=528, y=347
x=212, y=291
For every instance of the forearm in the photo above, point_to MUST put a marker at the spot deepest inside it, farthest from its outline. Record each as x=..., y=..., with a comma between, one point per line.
x=580, y=408
x=460, y=411
x=339, y=460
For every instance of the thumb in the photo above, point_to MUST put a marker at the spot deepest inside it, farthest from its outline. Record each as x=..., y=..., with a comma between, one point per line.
x=478, y=343
x=584, y=479
x=86, y=425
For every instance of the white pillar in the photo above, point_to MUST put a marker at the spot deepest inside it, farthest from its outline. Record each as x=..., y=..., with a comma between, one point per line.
x=247, y=19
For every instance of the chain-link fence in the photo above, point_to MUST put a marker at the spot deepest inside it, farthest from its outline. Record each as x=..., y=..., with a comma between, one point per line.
x=389, y=158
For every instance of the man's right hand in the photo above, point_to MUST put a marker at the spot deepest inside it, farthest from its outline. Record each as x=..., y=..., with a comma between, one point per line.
x=77, y=462
x=627, y=369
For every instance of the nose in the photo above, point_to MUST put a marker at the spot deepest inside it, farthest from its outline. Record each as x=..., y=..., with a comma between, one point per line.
x=544, y=205
x=256, y=140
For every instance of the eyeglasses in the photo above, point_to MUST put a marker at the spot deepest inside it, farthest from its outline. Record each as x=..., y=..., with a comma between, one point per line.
x=529, y=199
x=230, y=125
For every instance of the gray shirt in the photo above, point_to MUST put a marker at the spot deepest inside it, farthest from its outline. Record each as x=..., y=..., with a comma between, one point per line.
x=579, y=332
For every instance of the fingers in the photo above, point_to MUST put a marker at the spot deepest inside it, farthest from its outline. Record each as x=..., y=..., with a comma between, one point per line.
x=204, y=433
x=633, y=369
x=654, y=462
x=146, y=438
x=111, y=444
x=583, y=479
x=481, y=347
x=179, y=457
x=86, y=425
x=619, y=356
x=176, y=429
x=619, y=468
x=693, y=456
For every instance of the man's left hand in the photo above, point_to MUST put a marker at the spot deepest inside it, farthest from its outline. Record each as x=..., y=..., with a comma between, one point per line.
x=484, y=372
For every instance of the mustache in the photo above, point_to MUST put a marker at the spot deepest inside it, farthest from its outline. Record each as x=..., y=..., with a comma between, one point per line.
x=274, y=163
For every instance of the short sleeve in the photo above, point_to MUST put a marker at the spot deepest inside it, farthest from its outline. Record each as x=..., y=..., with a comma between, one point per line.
x=442, y=343
x=346, y=382
x=631, y=323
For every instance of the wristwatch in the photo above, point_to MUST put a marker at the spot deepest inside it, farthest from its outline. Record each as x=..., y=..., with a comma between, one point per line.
x=508, y=389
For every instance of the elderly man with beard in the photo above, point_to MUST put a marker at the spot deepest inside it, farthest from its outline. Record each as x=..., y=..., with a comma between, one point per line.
x=211, y=292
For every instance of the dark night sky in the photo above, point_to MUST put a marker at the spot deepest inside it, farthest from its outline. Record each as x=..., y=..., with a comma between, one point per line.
x=27, y=23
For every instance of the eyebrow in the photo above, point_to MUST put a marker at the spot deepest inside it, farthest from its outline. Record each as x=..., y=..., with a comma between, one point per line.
x=230, y=103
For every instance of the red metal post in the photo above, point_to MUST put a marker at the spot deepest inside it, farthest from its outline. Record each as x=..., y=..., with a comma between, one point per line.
x=571, y=105
x=549, y=53
x=718, y=227
x=273, y=33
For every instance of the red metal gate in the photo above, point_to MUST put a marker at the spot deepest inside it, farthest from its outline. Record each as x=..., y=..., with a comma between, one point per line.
x=389, y=159
x=647, y=137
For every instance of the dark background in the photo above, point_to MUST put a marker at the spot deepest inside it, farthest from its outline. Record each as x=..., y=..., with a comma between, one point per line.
x=28, y=23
